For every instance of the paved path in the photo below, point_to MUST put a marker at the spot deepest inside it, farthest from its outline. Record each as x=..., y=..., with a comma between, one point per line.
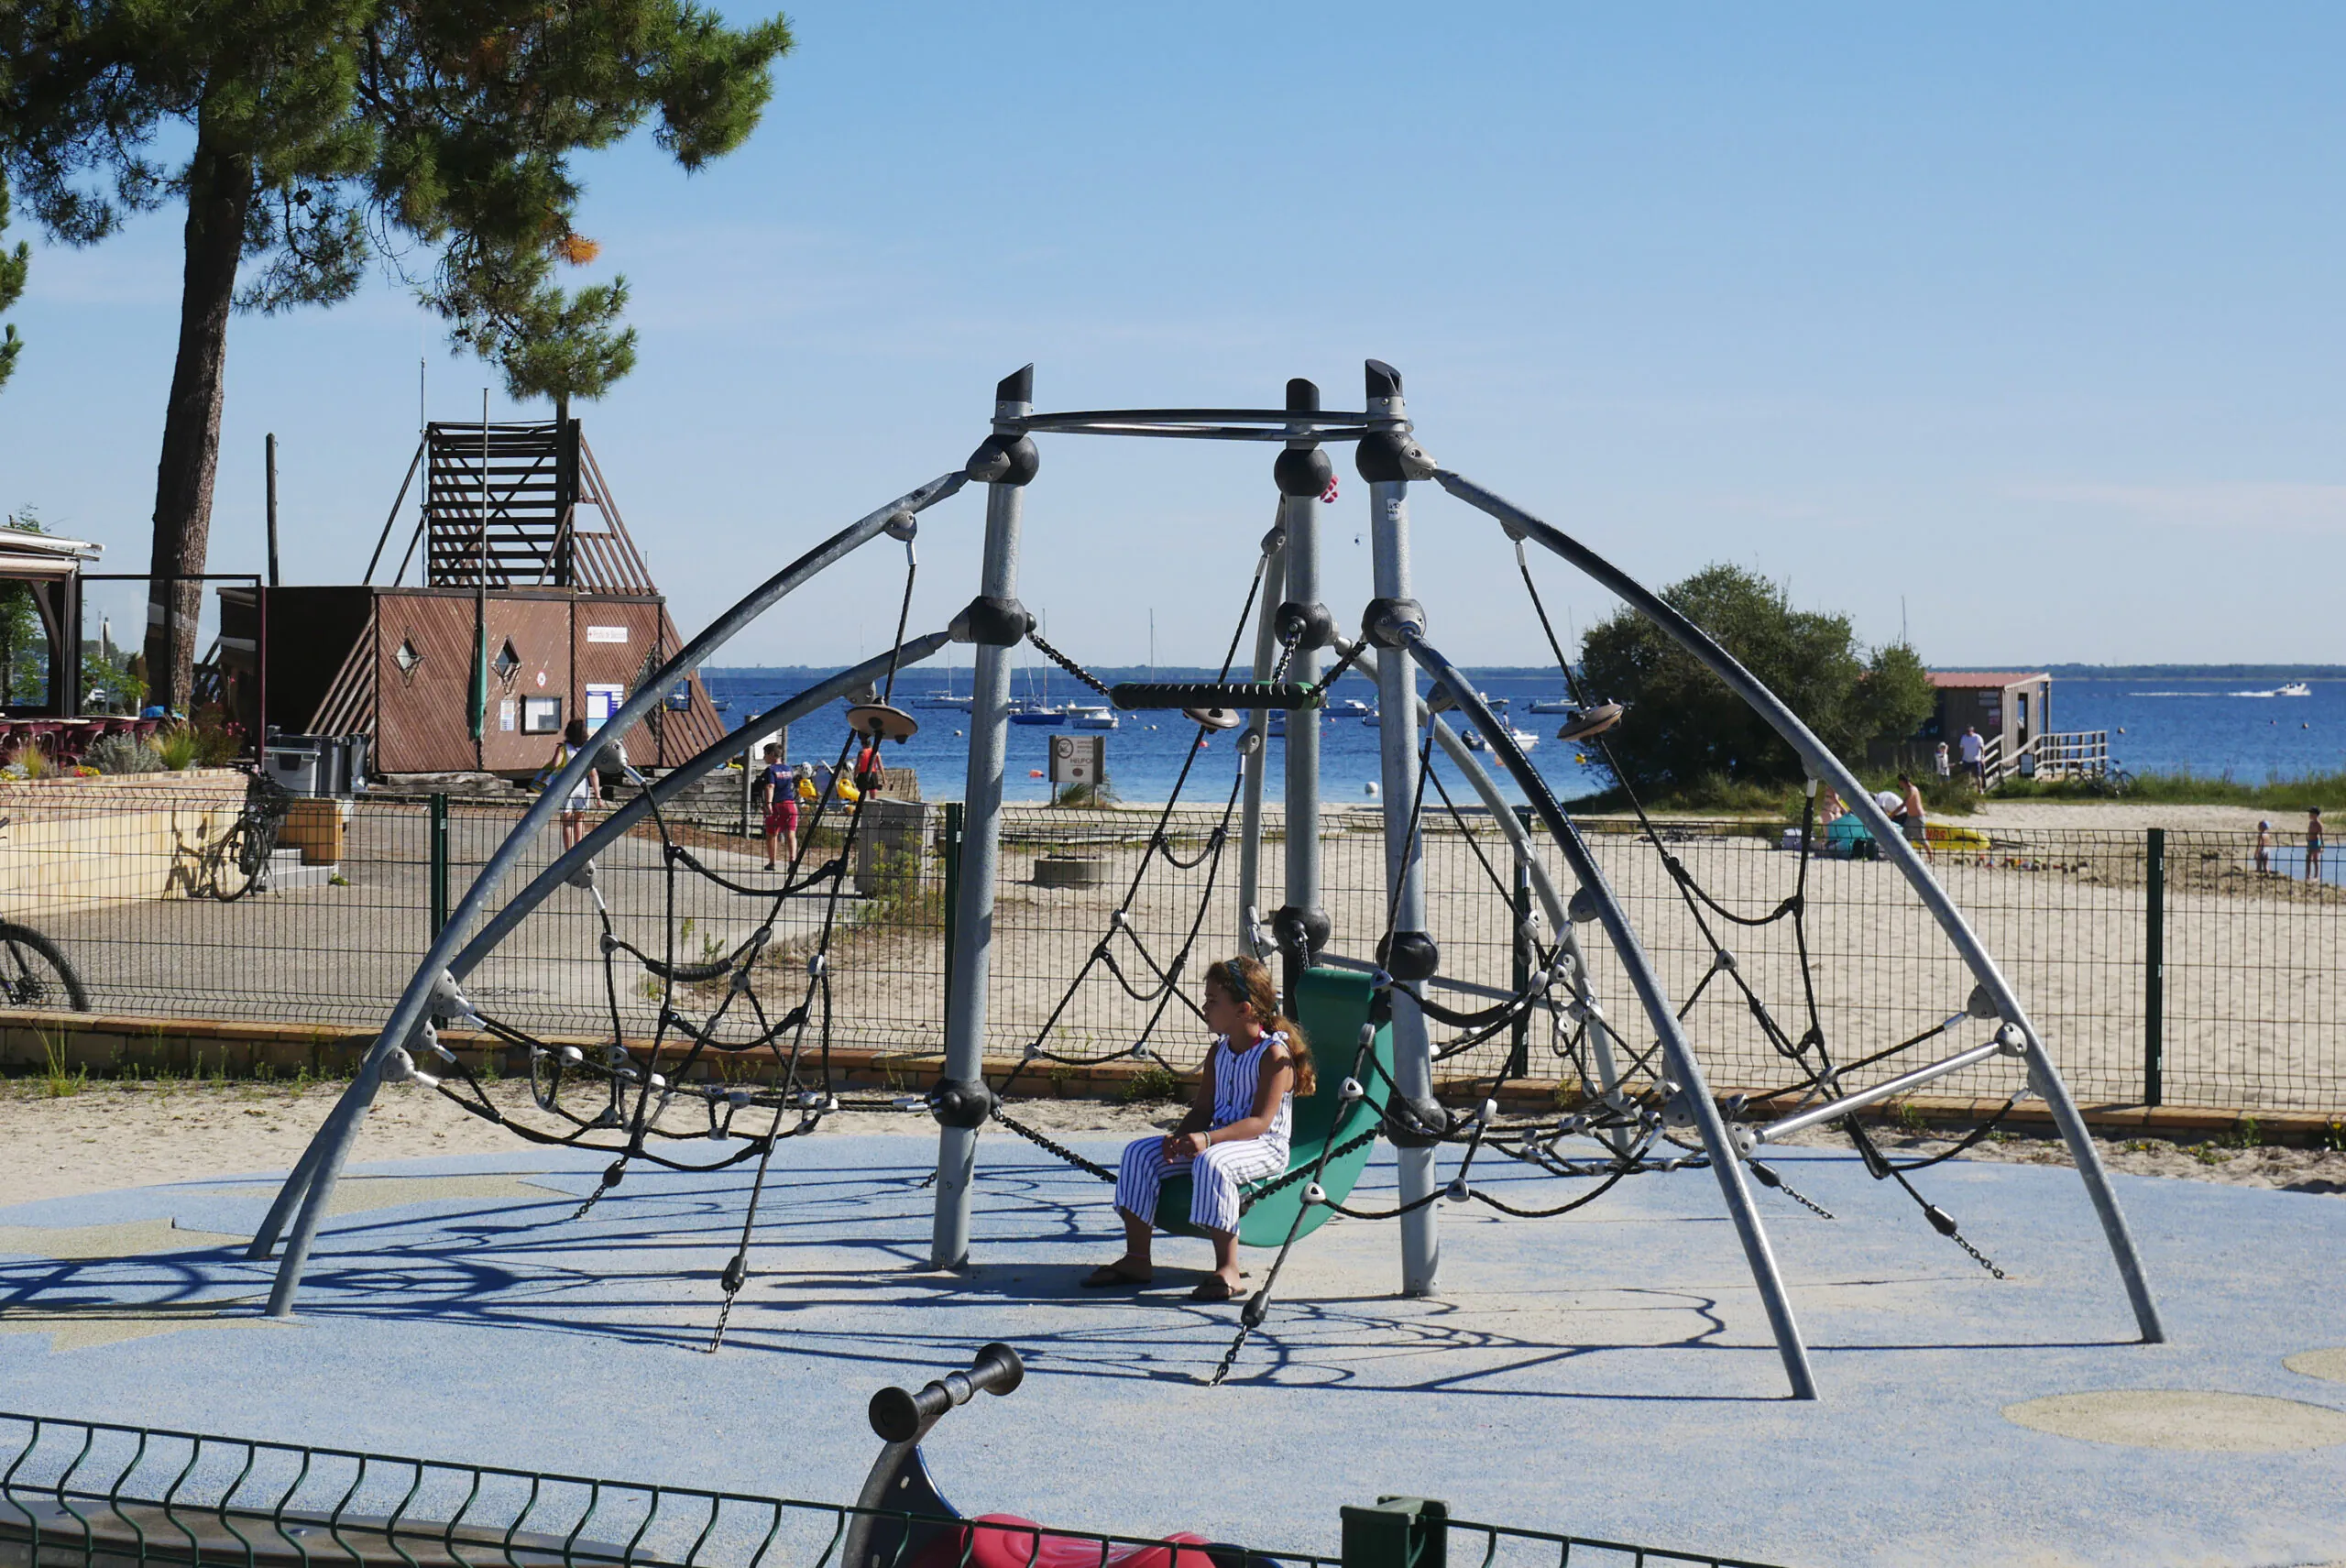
x=1607, y=1374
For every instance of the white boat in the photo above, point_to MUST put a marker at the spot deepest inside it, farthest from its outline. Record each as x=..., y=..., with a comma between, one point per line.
x=1524, y=739
x=2294, y=688
x=1023, y=711
x=1553, y=705
x=1080, y=716
x=1352, y=707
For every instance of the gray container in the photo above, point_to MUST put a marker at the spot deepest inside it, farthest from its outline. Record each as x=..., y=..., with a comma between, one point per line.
x=294, y=768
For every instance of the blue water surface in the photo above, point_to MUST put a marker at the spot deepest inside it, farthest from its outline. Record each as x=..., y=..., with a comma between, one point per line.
x=2208, y=723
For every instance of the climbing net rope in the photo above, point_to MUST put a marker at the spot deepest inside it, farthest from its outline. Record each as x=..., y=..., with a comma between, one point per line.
x=727, y=1062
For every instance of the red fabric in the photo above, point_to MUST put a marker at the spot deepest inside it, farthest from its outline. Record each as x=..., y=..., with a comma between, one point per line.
x=781, y=816
x=1005, y=1540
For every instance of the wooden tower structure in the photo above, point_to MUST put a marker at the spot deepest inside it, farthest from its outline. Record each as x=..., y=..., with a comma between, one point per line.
x=520, y=555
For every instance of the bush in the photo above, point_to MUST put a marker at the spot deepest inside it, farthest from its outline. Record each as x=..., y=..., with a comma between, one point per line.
x=123, y=754
x=177, y=747
x=1685, y=726
x=29, y=761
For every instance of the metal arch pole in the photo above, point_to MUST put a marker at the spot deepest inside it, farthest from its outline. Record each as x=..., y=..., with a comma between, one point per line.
x=313, y=1177
x=972, y=957
x=1252, y=739
x=632, y=810
x=2043, y=1077
x=1693, y=1091
x=1405, y=882
x=1600, y=1034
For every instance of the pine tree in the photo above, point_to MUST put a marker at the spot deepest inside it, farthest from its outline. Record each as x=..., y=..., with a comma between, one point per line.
x=320, y=134
x=14, y=264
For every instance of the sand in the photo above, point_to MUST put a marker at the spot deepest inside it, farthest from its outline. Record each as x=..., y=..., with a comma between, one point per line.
x=111, y=1135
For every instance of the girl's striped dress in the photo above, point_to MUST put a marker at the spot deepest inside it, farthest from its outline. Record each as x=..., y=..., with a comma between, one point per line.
x=1217, y=1174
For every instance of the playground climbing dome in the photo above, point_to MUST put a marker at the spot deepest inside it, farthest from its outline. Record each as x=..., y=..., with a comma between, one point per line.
x=760, y=1009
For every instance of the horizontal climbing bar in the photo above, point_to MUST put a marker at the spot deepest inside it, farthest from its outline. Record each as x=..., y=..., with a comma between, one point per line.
x=1289, y=695
x=1833, y=1110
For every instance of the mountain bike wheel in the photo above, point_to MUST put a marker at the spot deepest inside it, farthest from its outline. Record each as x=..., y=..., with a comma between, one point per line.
x=233, y=863
x=34, y=973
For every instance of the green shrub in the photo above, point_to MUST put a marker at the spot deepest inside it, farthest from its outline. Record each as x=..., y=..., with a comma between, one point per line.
x=1152, y=1086
x=178, y=746
x=123, y=754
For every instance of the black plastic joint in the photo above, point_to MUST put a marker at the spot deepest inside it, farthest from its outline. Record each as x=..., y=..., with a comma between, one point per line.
x=992, y=621
x=961, y=1102
x=1393, y=623
x=1302, y=471
x=1415, y=1122
x=1302, y=930
x=1409, y=956
x=1308, y=626
x=1003, y=460
x=1379, y=456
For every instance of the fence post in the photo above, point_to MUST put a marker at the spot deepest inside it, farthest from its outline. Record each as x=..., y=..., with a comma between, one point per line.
x=1518, y=1057
x=2154, y=968
x=438, y=833
x=953, y=817
x=1398, y=1532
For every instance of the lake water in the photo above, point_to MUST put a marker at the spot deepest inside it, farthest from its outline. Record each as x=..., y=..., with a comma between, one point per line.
x=2205, y=723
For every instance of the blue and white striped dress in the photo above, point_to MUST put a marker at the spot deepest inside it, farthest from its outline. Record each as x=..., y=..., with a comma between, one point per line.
x=1217, y=1174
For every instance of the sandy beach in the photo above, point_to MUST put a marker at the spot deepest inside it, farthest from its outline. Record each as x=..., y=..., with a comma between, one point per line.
x=113, y=1136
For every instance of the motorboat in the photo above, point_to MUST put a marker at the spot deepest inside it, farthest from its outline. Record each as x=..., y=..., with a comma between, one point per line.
x=1096, y=717
x=1352, y=707
x=1023, y=711
x=1552, y=705
x=2294, y=688
x=944, y=699
x=1524, y=738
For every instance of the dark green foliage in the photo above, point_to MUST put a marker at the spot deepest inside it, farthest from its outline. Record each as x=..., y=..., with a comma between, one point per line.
x=13, y=267
x=345, y=130
x=1686, y=726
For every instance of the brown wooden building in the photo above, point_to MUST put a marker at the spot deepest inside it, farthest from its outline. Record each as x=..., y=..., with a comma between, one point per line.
x=568, y=614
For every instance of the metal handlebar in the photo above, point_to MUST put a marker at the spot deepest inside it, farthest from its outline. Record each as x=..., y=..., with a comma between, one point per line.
x=900, y=1417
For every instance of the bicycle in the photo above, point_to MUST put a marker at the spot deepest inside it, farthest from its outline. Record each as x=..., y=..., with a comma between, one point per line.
x=34, y=973
x=238, y=862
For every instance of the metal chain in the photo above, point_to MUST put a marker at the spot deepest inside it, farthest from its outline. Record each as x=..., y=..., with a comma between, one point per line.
x=1047, y=1146
x=1070, y=665
x=1981, y=1258
x=724, y=1313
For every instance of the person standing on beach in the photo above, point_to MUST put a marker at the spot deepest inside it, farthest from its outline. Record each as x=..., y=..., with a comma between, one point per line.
x=780, y=786
x=2313, y=844
x=2264, y=849
x=1910, y=817
x=1940, y=757
x=1974, y=751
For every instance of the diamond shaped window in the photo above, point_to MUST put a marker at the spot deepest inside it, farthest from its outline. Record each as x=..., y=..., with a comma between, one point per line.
x=407, y=658
x=506, y=661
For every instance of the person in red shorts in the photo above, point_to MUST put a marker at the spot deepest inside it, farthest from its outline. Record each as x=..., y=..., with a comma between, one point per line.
x=782, y=805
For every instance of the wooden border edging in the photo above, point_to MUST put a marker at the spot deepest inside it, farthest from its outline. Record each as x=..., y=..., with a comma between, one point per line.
x=104, y=1045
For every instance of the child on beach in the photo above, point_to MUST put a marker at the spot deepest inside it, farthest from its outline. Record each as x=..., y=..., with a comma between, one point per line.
x=2313, y=844
x=781, y=787
x=590, y=788
x=1910, y=817
x=1236, y=1130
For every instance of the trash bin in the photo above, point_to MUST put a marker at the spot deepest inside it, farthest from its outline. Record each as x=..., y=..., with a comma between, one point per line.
x=293, y=768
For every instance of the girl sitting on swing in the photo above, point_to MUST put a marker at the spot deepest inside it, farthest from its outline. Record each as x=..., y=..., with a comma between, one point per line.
x=1236, y=1130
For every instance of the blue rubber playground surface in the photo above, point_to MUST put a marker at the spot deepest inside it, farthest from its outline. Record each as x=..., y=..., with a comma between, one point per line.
x=1607, y=1374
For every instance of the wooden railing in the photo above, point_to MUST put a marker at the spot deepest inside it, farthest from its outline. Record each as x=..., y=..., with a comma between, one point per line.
x=2076, y=754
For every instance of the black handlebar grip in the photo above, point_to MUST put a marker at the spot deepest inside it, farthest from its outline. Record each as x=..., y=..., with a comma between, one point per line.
x=898, y=1416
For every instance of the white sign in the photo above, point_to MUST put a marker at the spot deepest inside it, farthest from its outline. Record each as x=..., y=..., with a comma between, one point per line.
x=602, y=701
x=606, y=634
x=508, y=715
x=1078, y=759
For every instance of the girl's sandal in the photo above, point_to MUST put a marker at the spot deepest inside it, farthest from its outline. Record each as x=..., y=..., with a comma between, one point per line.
x=1109, y=1275
x=1214, y=1288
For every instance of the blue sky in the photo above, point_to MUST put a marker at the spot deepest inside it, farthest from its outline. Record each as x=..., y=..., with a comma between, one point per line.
x=2019, y=322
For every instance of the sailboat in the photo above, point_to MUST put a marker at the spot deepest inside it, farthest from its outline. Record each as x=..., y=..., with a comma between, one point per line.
x=1029, y=710
x=946, y=697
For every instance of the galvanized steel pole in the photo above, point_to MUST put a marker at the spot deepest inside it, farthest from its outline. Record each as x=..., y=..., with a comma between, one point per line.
x=1411, y=955
x=996, y=623
x=1302, y=471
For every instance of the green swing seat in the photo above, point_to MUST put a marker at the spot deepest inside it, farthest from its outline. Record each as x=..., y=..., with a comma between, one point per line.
x=1332, y=1004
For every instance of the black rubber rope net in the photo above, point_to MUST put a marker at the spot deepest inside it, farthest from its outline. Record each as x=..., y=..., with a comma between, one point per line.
x=1161, y=986
x=1810, y=1052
